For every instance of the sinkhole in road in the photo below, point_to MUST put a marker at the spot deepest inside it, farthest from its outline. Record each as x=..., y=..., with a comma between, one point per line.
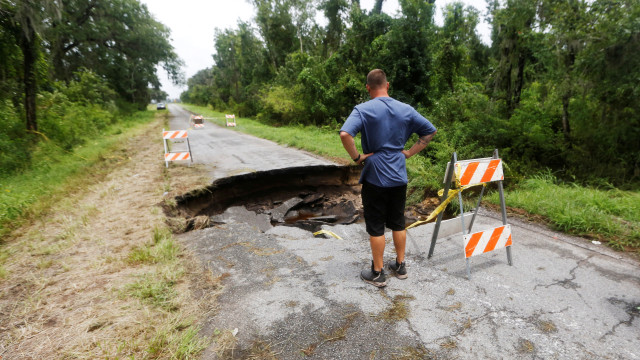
x=305, y=197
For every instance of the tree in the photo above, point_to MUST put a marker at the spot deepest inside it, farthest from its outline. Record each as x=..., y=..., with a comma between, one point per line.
x=158, y=95
x=333, y=10
x=240, y=65
x=606, y=111
x=118, y=40
x=302, y=14
x=277, y=29
x=512, y=40
x=24, y=20
x=405, y=52
x=565, y=20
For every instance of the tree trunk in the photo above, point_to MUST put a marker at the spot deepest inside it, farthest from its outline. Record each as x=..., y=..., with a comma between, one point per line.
x=300, y=39
x=522, y=60
x=29, y=53
x=507, y=82
x=377, y=8
x=566, y=129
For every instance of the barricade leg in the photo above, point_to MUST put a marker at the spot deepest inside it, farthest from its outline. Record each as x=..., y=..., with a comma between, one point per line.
x=166, y=149
x=190, y=153
x=455, y=159
x=504, y=218
x=447, y=184
x=473, y=218
x=503, y=207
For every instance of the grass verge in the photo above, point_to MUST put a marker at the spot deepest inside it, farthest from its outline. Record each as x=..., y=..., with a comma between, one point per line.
x=611, y=216
x=29, y=194
x=94, y=235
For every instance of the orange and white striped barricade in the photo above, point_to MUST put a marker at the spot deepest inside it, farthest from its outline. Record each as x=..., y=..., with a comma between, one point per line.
x=197, y=121
x=231, y=119
x=470, y=173
x=174, y=135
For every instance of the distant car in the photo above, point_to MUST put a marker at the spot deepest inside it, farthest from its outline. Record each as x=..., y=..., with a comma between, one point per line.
x=161, y=106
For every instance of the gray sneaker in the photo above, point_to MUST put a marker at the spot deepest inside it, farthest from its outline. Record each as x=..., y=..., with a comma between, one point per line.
x=399, y=269
x=375, y=278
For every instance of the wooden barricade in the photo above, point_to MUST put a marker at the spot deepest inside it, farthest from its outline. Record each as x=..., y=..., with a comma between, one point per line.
x=176, y=155
x=466, y=174
x=231, y=119
x=197, y=121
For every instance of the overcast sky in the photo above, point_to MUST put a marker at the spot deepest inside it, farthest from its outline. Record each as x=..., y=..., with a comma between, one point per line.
x=193, y=22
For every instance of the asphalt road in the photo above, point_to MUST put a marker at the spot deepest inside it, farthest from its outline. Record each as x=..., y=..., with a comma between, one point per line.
x=227, y=152
x=292, y=295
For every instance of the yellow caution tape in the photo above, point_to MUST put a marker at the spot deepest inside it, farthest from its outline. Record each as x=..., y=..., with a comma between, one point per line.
x=443, y=205
x=327, y=232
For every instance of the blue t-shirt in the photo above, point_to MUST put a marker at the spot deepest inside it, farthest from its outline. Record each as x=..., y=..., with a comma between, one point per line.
x=386, y=124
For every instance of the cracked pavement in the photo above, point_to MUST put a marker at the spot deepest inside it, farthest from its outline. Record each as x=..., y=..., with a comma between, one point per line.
x=563, y=298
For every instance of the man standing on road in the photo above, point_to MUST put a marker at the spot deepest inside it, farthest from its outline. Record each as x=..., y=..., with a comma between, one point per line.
x=385, y=124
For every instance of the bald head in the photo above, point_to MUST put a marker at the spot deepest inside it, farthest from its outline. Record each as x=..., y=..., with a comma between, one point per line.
x=376, y=79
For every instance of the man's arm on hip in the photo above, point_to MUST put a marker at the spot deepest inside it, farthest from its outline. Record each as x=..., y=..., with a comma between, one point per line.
x=350, y=145
x=422, y=143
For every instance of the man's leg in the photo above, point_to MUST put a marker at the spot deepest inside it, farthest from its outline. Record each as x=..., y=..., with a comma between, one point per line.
x=400, y=242
x=377, y=250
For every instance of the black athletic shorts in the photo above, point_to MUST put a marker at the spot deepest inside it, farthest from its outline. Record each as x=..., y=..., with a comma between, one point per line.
x=383, y=206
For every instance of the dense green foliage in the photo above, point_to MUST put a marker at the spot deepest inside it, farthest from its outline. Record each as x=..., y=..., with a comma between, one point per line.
x=70, y=68
x=557, y=88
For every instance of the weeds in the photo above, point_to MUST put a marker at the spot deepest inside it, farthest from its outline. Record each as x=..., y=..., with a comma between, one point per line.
x=454, y=307
x=526, y=346
x=449, y=344
x=225, y=343
x=547, y=326
x=414, y=353
x=261, y=350
x=451, y=291
x=178, y=339
x=398, y=309
x=338, y=334
x=163, y=249
x=154, y=291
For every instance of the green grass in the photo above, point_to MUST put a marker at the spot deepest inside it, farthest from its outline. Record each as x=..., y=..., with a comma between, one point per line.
x=178, y=337
x=611, y=216
x=155, y=290
x=173, y=342
x=163, y=249
x=54, y=169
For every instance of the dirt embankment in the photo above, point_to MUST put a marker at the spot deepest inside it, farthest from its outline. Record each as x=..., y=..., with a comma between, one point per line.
x=75, y=285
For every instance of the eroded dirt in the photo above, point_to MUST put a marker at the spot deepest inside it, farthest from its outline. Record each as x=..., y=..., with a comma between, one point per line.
x=305, y=197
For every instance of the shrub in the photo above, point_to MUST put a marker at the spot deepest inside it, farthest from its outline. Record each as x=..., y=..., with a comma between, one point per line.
x=14, y=146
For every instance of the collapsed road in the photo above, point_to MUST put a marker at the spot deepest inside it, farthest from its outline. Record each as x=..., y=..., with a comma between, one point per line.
x=290, y=295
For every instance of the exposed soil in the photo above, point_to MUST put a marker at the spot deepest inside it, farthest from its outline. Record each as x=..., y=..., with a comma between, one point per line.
x=305, y=197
